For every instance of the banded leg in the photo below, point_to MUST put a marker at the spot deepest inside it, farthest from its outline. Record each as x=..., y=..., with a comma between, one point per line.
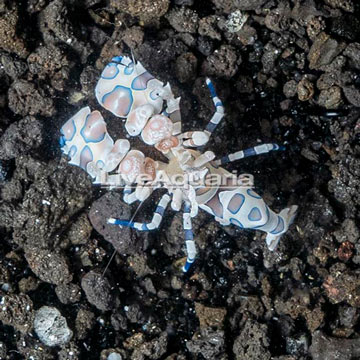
x=141, y=193
x=194, y=138
x=203, y=159
x=189, y=238
x=155, y=222
x=200, y=138
x=256, y=150
x=129, y=195
x=219, y=113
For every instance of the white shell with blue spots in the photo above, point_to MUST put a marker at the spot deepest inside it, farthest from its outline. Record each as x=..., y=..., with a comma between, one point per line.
x=86, y=141
x=123, y=86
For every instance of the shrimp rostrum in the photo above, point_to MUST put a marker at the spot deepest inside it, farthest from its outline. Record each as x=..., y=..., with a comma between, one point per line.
x=193, y=179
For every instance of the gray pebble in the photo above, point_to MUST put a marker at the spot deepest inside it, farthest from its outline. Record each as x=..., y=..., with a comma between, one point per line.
x=97, y=290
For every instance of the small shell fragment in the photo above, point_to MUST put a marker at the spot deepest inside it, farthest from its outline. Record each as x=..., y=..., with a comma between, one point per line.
x=236, y=21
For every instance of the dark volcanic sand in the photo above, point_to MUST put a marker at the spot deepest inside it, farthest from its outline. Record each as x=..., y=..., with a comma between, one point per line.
x=290, y=75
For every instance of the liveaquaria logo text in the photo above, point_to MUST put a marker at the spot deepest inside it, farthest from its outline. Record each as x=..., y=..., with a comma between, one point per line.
x=194, y=179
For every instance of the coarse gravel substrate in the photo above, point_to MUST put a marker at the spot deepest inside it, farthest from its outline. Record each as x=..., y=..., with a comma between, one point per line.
x=290, y=75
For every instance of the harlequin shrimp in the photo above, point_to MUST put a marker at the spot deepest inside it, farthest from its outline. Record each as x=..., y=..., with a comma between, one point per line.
x=152, y=112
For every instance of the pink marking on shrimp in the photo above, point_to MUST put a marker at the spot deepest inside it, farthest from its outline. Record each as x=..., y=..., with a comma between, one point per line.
x=95, y=127
x=166, y=144
x=158, y=128
x=119, y=101
x=150, y=168
x=132, y=166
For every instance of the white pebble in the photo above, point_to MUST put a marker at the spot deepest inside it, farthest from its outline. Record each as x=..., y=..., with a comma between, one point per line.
x=51, y=327
x=114, y=356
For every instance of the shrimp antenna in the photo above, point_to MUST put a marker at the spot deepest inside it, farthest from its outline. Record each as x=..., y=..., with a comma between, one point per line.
x=135, y=69
x=133, y=58
x=115, y=251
